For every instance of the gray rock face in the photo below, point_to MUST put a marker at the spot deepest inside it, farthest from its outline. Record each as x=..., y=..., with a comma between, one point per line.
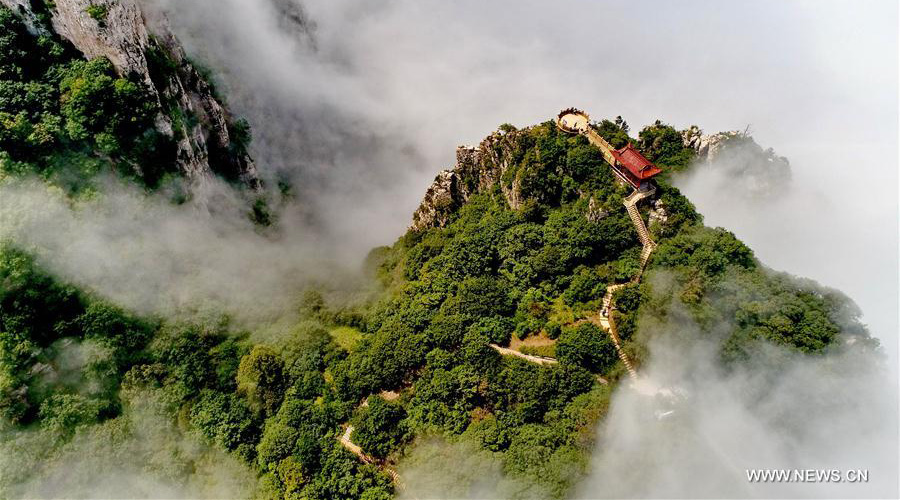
x=122, y=37
x=444, y=197
x=708, y=146
x=658, y=214
x=594, y=212
x=478, y=169
x=23, y=8
x=204, y=145
x=494, y=159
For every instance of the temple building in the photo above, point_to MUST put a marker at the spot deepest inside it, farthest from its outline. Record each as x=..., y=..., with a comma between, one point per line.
x=633, y=167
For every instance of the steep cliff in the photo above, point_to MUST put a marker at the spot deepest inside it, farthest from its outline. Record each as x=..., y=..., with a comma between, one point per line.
x=492, y=164
x=208, y=140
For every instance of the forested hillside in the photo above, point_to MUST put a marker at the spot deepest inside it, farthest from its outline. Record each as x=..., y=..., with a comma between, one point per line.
x=519, y=257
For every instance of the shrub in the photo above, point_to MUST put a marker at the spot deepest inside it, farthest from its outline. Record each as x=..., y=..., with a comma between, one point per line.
x=226, y=420
x=261, y=379
x=586, y=346
x=663, y=145
x=496, y=329
x=63, y=413
x=98, y=13
x=379, y=428
x=548, y=351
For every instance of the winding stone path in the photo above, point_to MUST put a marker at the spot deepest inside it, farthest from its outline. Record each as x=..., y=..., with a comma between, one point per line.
x=575, y=121
x=356, y=450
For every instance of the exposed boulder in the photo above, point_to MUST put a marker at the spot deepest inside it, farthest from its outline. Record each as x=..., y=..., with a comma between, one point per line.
x=658, y=214
x=595, y=212
x=445, y=195
x=708, y=146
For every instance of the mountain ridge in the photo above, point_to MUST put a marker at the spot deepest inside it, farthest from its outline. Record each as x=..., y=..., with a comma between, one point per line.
x=527, y=245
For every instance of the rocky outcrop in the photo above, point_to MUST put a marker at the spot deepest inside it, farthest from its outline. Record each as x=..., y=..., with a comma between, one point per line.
x=119, y=30
x=206, y=143
x=116, y=32
x=32, y=19
x=495, y=158
x=708, y=146
x=478, y=169
x=738, y=157
x=595, y=212
x=658, y=214
x=442, y=199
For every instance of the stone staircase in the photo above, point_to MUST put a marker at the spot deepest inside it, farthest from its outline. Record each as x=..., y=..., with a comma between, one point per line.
x=353, y=448
x=604, y=320
x=645, y=254
x=638, y=221
x=356, y=450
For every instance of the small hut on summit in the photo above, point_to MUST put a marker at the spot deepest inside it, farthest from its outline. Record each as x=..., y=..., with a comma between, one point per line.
x=632, y=166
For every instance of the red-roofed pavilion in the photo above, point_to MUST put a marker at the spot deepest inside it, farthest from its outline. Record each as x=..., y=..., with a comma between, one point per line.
x=632, y=166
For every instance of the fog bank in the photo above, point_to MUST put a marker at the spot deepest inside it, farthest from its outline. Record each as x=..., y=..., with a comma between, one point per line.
x=787, y=411
x=141, y=454
x=154, y=257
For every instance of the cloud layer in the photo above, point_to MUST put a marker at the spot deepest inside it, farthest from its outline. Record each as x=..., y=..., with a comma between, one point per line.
x=834, y=412
x=154, y=257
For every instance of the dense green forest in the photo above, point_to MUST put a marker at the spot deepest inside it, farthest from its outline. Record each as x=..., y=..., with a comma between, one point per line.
x=418, y=351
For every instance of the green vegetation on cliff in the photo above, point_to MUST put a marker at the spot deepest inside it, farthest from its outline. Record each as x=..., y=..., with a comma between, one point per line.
x=66, y=119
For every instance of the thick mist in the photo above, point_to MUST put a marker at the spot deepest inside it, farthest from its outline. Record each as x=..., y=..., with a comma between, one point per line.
x=438, y=469
x=699, y=436
x=155, y=257
x=140, y=454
